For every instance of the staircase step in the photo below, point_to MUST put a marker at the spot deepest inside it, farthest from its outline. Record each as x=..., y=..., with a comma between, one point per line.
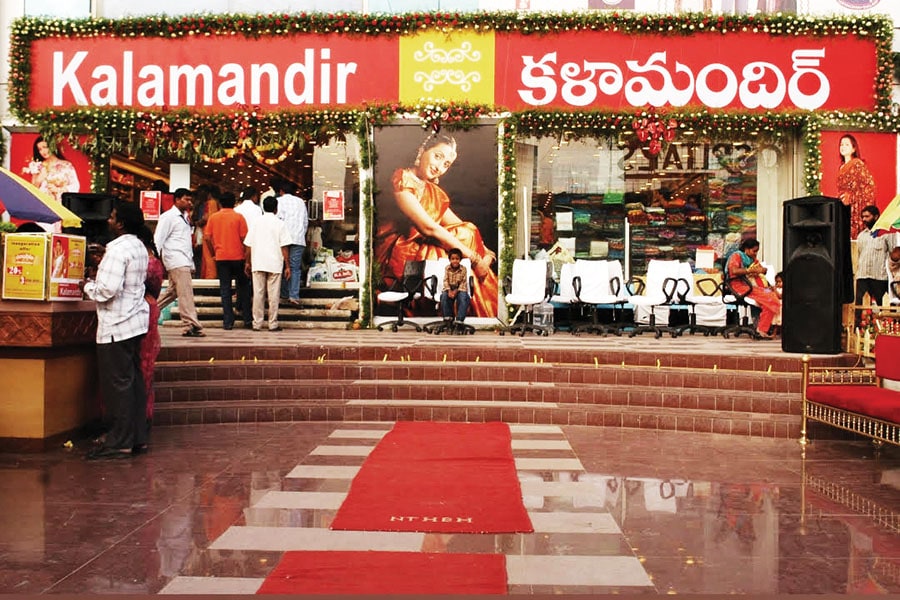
x=701, y=421
x=278, y=389
x=330, y=306
x=439, y=373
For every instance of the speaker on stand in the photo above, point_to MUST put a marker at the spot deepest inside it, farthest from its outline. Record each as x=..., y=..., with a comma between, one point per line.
x=818, y=277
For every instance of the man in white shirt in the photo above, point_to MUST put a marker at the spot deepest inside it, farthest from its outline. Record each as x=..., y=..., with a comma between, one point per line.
x=174, y=243
x=123, y=317
x=292, y=210
x=267, y=256
x=249, y=206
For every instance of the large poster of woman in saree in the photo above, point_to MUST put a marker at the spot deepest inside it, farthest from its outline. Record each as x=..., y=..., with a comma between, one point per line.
x=436, y=191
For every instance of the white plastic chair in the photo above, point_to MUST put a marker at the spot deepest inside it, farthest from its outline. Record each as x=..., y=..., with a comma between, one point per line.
x=403, y=292
x=530, y=286
x=599, y=285
x=661, y=275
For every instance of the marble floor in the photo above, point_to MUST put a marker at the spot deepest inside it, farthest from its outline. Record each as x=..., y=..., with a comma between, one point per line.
x=212, y=508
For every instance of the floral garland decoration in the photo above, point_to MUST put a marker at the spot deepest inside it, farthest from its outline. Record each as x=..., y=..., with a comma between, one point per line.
x=508, y=211
x=285, y=151
x=435, y=113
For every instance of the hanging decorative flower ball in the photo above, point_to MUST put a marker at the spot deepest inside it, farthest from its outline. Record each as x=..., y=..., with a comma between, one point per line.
x=650, y=127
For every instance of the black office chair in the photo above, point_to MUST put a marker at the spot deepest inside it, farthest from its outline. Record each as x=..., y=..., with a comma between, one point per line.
x=402, y=292
x=742, y=306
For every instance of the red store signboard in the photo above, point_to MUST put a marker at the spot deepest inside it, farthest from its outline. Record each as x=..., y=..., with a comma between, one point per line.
x=575, y=70
x=732, y=71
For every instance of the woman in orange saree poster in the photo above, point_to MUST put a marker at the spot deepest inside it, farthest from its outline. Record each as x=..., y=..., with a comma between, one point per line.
x=420, y=224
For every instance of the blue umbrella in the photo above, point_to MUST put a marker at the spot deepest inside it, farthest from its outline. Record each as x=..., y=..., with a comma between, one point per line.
x=24, y=201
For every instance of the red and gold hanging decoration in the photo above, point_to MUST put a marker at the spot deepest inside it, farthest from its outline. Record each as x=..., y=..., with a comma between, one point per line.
x=650, y=127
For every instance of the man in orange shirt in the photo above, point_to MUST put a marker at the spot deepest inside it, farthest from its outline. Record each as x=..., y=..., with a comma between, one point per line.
x=225, y=233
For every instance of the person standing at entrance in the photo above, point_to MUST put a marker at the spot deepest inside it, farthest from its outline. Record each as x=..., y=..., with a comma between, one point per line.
x=249, y=206
x=123, y=317
x=225, y=233
x=173, y=241
x=871, y=264
x=267, y=254
x=292, y=210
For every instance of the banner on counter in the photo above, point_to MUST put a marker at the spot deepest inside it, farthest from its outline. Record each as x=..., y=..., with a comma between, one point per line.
x=25, y=266
x=578, y=70
x=67, y=256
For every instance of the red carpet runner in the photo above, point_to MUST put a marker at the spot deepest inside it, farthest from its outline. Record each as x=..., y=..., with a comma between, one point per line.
x=438, y=477
x=386, y=573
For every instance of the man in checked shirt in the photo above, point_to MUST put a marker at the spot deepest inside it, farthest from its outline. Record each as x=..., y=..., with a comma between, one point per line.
x=456, y=288
x=123, y=317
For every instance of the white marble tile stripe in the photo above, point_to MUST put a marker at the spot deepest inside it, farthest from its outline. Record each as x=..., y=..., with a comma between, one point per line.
x=238, y=586
x=609, y=571
x=525, y=428
x=281, y=539
x=617, y=571
x=342, y=450
x=548, y=464
x=358, y=434
x=377, y=434
x=540, y=445
x=566, y=489
x=562, y=522
x=292, y=500
x=322, y=472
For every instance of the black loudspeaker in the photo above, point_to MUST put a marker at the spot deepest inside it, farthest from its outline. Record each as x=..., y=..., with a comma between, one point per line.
x=94, y=210
x=818, y=277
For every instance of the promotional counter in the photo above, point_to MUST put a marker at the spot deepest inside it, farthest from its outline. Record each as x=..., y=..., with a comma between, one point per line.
x=48, y=368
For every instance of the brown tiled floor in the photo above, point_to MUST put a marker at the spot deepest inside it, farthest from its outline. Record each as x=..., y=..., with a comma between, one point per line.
x=688, y=513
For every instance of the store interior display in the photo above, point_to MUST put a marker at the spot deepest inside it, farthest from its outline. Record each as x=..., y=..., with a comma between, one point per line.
x=665, y=213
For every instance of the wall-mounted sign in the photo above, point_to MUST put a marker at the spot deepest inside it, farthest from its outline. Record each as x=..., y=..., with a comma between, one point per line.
x=151, y=201
x=333, y=205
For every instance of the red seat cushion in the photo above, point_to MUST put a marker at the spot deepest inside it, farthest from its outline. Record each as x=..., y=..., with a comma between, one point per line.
x=863, y=399
x=887, y=356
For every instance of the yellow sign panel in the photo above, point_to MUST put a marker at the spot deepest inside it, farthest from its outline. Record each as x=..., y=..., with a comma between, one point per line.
x=25, y=266
x=458, y=66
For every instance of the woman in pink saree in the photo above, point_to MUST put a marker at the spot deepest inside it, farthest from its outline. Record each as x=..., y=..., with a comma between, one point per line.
x=422, y=226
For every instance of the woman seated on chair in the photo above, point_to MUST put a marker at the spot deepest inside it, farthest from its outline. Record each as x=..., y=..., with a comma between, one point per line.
x=421, y=225
x=746, y=276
